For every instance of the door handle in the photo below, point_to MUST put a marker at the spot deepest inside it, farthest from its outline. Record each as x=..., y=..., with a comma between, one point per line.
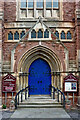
x=39, y=81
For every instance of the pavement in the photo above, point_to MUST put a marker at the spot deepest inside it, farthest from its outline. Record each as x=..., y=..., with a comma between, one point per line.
x=41, y=114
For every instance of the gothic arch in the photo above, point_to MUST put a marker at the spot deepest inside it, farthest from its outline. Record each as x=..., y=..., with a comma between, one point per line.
x=39, y=52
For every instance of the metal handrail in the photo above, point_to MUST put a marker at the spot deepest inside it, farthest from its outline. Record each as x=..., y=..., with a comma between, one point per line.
x=17, y=96
x=62, y=95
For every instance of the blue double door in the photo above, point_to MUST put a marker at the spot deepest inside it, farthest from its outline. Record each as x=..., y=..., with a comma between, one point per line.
x=39, y=79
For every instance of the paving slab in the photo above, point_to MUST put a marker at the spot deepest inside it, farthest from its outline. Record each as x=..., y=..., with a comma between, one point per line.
x=40, y=113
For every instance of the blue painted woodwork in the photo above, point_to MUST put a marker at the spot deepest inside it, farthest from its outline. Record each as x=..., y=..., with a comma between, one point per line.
x=10, y=36
x=16, y=36
x=69, y=35
x=33, y=34
x=57, y=34
x=40, y=33
x=46, y=34
x=39, y=78
x=22, y=34
x=62, y=35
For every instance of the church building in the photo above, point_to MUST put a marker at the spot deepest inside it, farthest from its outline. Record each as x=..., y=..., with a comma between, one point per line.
x=40, y=44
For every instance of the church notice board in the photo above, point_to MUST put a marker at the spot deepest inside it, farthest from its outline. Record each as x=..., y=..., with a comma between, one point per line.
x=70, y=83
x=9, y=83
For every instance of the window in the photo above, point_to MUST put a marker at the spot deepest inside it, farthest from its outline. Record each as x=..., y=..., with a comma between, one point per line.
x=16, y=36
x=22, y=34
x=55, y=3
x=10, y=36
x=48, y=3
x=33, y=34
x=39, y=3
x=57, y=34
x=69, y=35
x=30, y=3
x=36, y=8
x=62, y=35
x=46, y=34
x=23, y=4
x=40, y=33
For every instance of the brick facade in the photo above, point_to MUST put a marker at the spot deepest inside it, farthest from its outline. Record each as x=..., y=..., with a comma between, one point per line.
x=11, y=24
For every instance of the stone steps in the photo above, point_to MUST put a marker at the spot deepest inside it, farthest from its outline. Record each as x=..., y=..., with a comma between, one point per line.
x=40, y=106
x=40, y=102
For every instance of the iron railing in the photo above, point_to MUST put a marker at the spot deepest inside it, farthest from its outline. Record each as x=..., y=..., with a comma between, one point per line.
x=60, y=95
x=19, y=96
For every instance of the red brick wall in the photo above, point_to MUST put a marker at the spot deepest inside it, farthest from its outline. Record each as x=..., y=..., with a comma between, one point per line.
x=10, y=11
x=68, y=10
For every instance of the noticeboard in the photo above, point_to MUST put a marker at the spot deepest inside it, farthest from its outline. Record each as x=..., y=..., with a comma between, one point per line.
x=70, y=83
x=9, y=83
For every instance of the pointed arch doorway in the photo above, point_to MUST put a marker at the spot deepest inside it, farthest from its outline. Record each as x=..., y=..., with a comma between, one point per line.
x=39, y=78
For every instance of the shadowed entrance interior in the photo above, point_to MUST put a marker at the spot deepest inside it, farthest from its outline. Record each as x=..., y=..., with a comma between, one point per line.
x=39, y=78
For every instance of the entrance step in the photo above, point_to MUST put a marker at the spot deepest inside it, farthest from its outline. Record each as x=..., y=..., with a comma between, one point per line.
x=40, y=106
x=40, y=102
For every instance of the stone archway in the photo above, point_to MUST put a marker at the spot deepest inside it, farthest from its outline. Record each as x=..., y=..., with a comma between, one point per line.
x=39, y=52
x=35, y=53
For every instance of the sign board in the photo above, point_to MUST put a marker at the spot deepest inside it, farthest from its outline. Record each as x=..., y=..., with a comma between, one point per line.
x=9, y=83
x=70, y=83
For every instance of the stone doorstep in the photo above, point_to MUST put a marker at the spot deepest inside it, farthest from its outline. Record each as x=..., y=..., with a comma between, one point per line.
x=40, y=106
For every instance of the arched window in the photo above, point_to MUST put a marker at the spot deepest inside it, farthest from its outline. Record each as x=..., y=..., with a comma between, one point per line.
x=16, y=36
x=69, y=36
x=46, y=34
x=10, y=36
x=22, y=34
x=33, y=34
x=40, y=33
x=62, y=35
x=57, y=34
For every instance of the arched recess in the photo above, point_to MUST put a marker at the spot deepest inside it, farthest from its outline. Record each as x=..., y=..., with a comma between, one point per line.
x=39, y=52
x=33, y=54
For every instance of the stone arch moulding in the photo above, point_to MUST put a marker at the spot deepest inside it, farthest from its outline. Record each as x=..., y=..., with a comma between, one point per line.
x=36, y=52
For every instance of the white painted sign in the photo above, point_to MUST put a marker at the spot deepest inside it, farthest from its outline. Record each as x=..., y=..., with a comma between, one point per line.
x=70, y=86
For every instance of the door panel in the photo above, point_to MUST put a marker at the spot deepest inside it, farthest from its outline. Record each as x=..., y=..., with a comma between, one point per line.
x=39, y=78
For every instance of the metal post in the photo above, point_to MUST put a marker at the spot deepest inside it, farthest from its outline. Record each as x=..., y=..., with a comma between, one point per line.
x=12, y=95
x=67, y=96
x=53, y=93
x=18, y=99
x=5, y=98
x=73, y=98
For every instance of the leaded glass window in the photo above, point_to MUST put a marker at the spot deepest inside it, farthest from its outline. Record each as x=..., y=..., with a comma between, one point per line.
x=30, y=3
x=40, y=33
x=55, y=3
x=39, y=3
x=16, y=36
x=22, y=34
x=62, y=35
x=48, y=3
x=46, y=34
x=69, y=35
x=57, y=34
x=10, y=36
x=23, y=4
x=33, y=34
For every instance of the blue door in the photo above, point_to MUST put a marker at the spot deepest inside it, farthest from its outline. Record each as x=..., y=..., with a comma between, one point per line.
x=39, y=78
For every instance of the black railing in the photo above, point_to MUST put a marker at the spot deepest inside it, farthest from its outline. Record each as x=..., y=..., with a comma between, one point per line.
x=60, y=95
x=19, y=96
